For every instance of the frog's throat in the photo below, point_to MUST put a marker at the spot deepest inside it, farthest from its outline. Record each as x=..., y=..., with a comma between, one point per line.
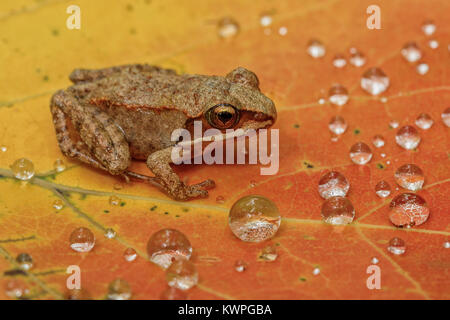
x=248, y=128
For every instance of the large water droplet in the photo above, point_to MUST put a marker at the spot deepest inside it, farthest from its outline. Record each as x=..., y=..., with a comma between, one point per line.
x=428, y=27
x=407, y=137
x=337, y=211
x=24, y=261
x=254, y=218
x=333, y=184
x=374, y=81
x=339, y=61
x=130, y=254
x=446, y=117
x=119, y=290
x=408, y=210
x=172, y=293
x=338, y=95
x=82, y=240
x=383, y=189
x=410, y=176
x=360, y=153
x=23, y=169
x=357, y=59
x=316, y=49
x=168, y=245
x=268, y=253
x=337, y=125
x=182, y=274
x=424, y=121
x=228, y=28
x=397, y=246
x=411, y=52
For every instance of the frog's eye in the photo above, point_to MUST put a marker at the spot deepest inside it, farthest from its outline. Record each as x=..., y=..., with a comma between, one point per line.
x=222, y=116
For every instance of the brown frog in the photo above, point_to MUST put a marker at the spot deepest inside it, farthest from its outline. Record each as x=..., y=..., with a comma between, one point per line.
x=112, y=115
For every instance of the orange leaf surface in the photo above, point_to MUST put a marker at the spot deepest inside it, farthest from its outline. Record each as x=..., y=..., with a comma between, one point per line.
x=38, y=52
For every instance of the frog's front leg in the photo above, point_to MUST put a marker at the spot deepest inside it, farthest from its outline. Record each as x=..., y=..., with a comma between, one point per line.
x=159, y=163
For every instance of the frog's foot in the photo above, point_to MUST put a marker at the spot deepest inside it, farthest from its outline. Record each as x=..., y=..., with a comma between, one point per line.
x=206, y=185
x=184, y=192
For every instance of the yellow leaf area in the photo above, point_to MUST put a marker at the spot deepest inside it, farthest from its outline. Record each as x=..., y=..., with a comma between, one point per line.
x=37, y=52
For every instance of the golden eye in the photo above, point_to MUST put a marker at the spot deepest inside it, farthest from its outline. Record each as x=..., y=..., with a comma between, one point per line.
x=222, y=116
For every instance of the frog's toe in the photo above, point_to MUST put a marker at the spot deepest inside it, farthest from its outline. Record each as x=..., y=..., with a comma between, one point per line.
x=206, y=185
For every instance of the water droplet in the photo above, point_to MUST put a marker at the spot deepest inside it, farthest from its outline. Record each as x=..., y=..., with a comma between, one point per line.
x=228, y=28
x=58, y=204
x=118, y=186
x=130, y=254
x=321, y=101
x=3, y=149
x=383, y=189
x=173, y=294
x=397, y=246
x=378, y=141
x=240, y=266
x=82, y=240
x=333, y=184
x=337, y=125
x=383, y=155
x=168, y=245
x=411, y=52
x=357, y=59
x=384, y=99
x=16, y=289
x=316, y=271
x=339, y=61
x=337, y=211
x=265, y=19
x=110, y=233
x=374, y=81
x=283, y=31
x=59, y=165
x=446, y=117
x=114, y=200
x=252, y=183
x=182, y=274
x=268, y=253
x=220, y=199
x=433, y=44
x=422, y=68
x=360, y=153
x=424, y=121
x=338, y=95
x=374, y=260
x=23, y=169
x=316, y=49
x=254, y=218
x=410, y=176
x=428, y=27
x=119, y=290
x=446, y=245
x=408, y=210
x=407, y=137
x=393, y=124
x=25, y=261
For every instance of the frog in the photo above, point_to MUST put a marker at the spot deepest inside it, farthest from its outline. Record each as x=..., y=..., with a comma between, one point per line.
x=111, y=116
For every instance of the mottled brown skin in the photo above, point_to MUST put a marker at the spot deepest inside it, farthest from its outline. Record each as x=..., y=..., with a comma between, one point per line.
x=110, y=116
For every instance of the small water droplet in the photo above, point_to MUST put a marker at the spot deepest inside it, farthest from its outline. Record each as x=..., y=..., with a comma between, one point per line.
x=16, y=288
x=168, y=245
x=360, y=153
x=357, y=59
x=268, y=253
x=339, y=61
x=118, y=186
x=3, y=149
x=424, y=121
x=396, y=246
x=374, y=260
x=433, y=44
x=378, y=141
x=173, y=294
x=446, y=244
x=59, y=165
x=383, y=155
x=24, y=261
x=220, y=199
x=58, y=204
x=119, y=290
x=283, y=31
x=82, y=240
x=374, y=81
x=254, y=218
x=407, y=137
x=394, y=124
x=337, y=125
x=182, y=274
x=338, y=211
x=411, y=52
x=384, y=99
x=240, y=266
x=410, y=176
x=338, y=95
x=130, y=254
x=110, y=233
x=333, y=184
x=23, y=169
x=428, y=27
x=316, y=271
x=228, y=28
x=446, y=117
x=114, y=200
x=265, y=19
x=422, y=68
x=252, y=183
x=383, y=189
x=408, y=210
x=315, y=48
